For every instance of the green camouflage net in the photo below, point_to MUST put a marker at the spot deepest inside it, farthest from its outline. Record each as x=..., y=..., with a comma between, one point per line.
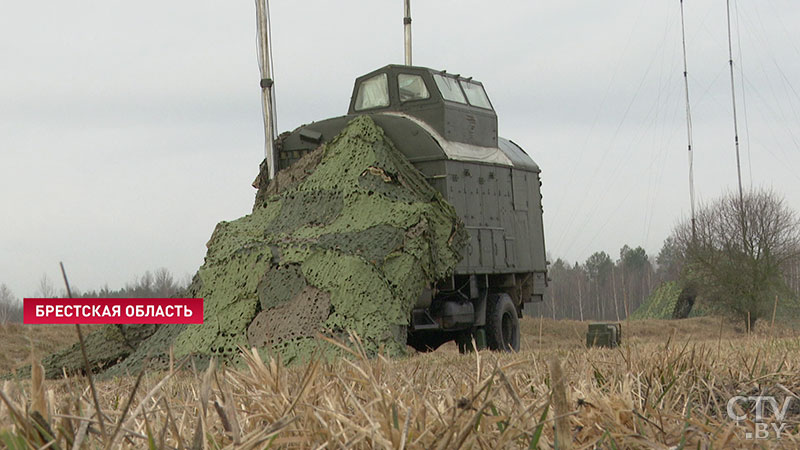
x=346, y=242
x=660, y=304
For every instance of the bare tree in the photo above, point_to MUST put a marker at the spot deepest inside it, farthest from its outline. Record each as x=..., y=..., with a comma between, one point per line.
x=164, y=283
x=599, y=268
x=740, y=251
x=10, y=308
x=141, y=287
x=46, y=287
x=6, y=298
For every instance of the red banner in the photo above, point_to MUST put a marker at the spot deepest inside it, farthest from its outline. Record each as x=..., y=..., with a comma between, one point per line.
x=112, y=310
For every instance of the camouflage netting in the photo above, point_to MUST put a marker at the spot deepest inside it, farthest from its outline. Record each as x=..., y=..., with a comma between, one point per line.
x=671, y=300
x=345, y=240
x=662, y=302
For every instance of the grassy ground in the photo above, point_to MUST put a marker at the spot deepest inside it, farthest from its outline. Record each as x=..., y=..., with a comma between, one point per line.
x=667, y=387
x=17, y=341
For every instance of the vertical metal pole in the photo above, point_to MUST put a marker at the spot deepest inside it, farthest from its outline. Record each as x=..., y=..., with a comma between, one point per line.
x=407, y=30
x=688, y=126
x=733, y=100
x=66, y=282
x=742, y=212
x=267, y=84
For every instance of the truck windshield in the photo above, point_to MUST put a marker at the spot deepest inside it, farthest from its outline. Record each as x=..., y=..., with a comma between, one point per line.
x=475, y=94
x=373, y=93
x=449, y=88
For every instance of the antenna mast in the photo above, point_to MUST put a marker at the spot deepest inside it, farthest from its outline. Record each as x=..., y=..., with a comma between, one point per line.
x=688, y=124
x=407, y=31
x=267, y=84
x=733, y=99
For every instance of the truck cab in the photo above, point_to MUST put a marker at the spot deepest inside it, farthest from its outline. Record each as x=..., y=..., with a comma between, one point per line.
x=457, y=107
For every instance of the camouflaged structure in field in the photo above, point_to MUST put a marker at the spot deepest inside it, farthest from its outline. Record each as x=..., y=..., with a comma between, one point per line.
x=344, y=240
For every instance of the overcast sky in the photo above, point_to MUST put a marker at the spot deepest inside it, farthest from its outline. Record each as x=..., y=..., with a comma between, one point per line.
x=129, y=129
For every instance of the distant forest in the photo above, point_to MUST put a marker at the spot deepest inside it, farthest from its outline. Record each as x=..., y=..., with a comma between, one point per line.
x=606, y=288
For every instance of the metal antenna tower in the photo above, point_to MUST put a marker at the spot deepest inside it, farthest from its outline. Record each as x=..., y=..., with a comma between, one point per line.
x=267, y=84
x=733, y=99
x=688, y=124
x=407, y=32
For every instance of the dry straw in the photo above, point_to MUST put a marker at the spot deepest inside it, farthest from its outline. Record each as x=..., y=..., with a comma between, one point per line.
x=650, y=393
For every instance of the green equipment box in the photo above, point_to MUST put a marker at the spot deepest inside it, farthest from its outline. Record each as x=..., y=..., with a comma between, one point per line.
x=604, y=335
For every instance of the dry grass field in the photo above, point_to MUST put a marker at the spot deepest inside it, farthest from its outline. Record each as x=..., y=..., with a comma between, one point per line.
x=667, y=386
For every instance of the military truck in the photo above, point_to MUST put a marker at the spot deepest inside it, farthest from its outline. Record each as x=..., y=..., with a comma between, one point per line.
x=447, y=128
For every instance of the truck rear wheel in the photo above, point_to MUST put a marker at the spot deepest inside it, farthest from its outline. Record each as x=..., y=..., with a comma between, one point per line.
x=502, y=324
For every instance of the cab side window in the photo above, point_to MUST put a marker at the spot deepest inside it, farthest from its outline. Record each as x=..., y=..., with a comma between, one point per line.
x=475, y=94
x=448, y=86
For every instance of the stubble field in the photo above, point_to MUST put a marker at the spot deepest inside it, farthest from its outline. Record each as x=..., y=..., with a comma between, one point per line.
x=667, y=386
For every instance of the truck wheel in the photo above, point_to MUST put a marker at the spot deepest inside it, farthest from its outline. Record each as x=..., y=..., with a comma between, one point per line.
x=502, y=324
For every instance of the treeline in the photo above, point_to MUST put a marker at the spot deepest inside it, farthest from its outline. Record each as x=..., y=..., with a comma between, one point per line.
x=602, y=288
x=605, y=288
x=159, y=283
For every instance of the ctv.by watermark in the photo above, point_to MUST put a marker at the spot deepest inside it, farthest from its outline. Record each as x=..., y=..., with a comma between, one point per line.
x=763, y=416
